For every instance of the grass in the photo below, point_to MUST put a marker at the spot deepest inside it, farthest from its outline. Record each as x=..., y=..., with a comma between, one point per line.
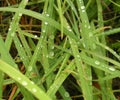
x=59, y=50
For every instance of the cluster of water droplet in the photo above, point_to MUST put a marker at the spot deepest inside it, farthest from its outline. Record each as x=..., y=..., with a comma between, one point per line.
x=83, y=8
x=47, y=15
x=69, y=28
x=109, y=68
x=12, y=34
x=25, y=83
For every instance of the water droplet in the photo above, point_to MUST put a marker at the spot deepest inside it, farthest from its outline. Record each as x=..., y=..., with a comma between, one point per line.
x=44, y=12
x=70, y=42
x=114, y=53
x=80, y=1
x=78, y=56
x=69, y=30
x=24, y=83
x=20, y=45
x=99, y=19
x=35, y=36
x=119, y=57
x=52, y=47
x=46, y=23
x=42, y=37
x=20, y=14
x=75, y=46
x=32, y=82
x=81, y=30
x=66, y=94
x=12, y=18
x=83, y=10
x=112, y=69
x=90, y=34
x=106, y=47
x=68, y=26
x=30, y=68
x=51, y=54
x=21, y=58
x=38, y=48
x=9, y=29
x=41, y=46
x=51, y=88
x=47, y=56
x=19, y=78
x=84, y=45
x=78, y=43
x=82, y=7
x=97, y=62
x=47, y=15
x=34, y=89
x=88, y=27
x=12, y=35
x=85, y=26
x=25, y=1
x=43, y=31
x=10, y=23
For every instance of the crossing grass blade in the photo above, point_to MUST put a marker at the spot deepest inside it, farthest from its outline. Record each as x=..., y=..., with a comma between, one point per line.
x=23, y=80
x=53, y=48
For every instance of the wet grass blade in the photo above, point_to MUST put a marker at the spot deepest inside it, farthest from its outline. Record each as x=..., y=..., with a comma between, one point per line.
x=23, y=80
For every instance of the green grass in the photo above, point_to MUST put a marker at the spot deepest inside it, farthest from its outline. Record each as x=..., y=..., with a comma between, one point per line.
x=65, y=48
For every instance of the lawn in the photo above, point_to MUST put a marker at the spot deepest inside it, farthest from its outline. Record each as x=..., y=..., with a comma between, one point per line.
x=59, y=50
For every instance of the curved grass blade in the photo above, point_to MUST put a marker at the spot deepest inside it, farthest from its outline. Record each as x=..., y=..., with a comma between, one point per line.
x=40, y=17
x=23, y=80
